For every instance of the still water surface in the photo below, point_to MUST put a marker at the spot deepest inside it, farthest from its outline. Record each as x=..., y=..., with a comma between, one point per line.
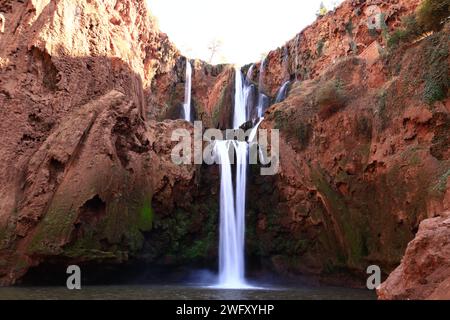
x=183, y=293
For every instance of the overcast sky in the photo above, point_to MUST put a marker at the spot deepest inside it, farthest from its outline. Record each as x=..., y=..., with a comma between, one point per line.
x=247, y=28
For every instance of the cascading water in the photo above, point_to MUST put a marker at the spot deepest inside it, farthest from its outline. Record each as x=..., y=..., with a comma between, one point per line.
x=263, y=100
x=240, y=112
x=188, y=92
x=282, y=93
x=232, y=214
x=241, y=187
x=232, y=202
x=254, y=131
x=250, y=93
x=250, y=72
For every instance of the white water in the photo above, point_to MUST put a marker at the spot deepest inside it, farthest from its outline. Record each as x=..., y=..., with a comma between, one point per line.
x=261, y=96
x=232, y=214
x=282, y=93
x=254, y=131
x=240, y=112
x=188, y=92
x=232, y=202
x=250, y=72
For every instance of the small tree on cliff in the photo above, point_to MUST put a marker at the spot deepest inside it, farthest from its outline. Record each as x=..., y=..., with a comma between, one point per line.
x=322, y=10
x=214, y=47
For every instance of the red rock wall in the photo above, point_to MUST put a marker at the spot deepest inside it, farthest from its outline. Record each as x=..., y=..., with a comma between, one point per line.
x=340, y=33
x=83, y=176
x=86, y=175
x=359, y=170
x=425, y=269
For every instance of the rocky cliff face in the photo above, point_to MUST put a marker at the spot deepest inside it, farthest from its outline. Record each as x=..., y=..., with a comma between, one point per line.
x=349, y=30
x=364, y=152
x=84, y=176
x=87, y=91
x=425, y=270
x=359, y=170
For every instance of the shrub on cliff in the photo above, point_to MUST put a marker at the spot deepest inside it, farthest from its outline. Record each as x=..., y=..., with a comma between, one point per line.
x=294, y=127
x=431, y=14
x=437, y=80
x=409, y=31
x=330, y=97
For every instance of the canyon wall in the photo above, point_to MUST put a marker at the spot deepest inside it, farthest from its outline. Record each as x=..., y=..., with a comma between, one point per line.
x=90, y=92
x=353, y=28
x=86, y=174
x=364, y=151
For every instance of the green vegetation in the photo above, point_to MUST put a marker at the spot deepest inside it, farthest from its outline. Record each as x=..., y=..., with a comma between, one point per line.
x=322, y=10
x=441, y=185
x=409, y=31
x=436, y=76
x=146, y=216
x=294, y=128
x=349, y=225
x=431, y=14
x=330, y=97
x=382, y=109
x=320, y=46
x=349, y=28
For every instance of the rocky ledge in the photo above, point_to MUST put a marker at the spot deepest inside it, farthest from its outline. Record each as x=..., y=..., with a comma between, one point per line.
x=425, y=269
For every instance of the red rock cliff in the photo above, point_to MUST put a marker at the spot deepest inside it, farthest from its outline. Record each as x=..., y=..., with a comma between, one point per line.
x=83, y=174
x=85, y=169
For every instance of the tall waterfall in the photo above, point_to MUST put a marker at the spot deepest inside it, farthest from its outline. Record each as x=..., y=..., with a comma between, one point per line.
x=232, y=199
x=232, y=214
x=188, y=92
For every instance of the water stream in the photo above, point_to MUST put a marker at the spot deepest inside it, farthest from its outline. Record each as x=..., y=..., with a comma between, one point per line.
x=240, y=112
x=232, y=213
x=282, y=93
x=188, y=92
x=233, y=196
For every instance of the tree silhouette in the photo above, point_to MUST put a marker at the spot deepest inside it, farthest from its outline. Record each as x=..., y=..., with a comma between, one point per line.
x=214, y=47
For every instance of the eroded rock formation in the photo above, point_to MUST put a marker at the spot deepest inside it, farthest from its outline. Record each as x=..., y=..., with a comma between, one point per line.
x=87, y=91
x=83, y=175
x=425, y=270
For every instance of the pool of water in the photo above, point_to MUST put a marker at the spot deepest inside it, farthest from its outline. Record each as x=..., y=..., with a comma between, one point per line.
x=173, y=292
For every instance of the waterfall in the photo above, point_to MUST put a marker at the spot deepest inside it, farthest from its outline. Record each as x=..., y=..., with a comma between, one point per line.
x=232, y=202
x=241, y=187
x=240, y=95
x=249, y=91
x=263, y=100
x=282, y=93
x=188, y=92
x=254, y=131
x=232, y=213
x=250, y=73
x=263, y=104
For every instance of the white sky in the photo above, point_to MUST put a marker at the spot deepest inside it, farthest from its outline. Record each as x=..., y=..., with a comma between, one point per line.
x=247, y=28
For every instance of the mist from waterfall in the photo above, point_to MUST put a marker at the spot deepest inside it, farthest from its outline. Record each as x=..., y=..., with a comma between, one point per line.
x=188, y=92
